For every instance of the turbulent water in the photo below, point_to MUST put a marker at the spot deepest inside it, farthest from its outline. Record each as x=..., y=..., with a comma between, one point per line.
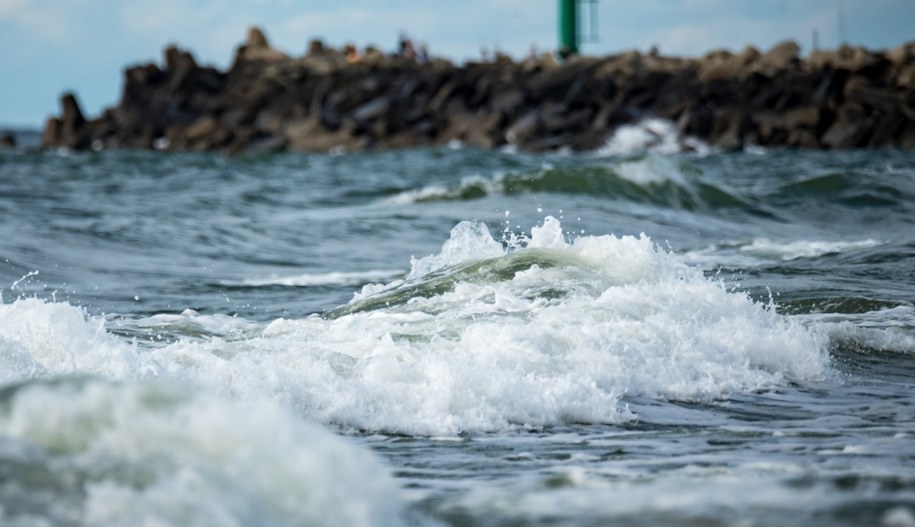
x=458, y=337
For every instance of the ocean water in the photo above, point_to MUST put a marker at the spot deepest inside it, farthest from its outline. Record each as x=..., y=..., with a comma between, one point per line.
x=449, y=336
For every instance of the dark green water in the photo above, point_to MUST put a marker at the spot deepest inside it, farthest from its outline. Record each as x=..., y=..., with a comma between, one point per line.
x=551, y=339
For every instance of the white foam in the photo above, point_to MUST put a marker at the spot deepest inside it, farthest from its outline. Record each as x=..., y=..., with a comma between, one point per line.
x=191, y=321
x=564, y=338
x=38, y=338
x=469, y=240
x=761, y=250
x=154, y=454
x=651, y=135
x=775, y=250
x=651, y=170
x=324, y=279
x=491, y=186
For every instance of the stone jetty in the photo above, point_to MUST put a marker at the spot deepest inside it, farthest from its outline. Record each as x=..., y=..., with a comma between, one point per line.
x=337, y=99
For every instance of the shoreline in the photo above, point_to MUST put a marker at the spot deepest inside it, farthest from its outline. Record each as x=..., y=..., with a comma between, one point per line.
x=267, y=101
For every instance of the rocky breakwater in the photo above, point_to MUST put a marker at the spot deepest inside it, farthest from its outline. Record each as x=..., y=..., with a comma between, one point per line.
x=329, y=99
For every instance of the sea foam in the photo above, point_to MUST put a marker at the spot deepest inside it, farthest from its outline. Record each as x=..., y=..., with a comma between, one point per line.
x=652, y=135
x=155, y=454
x=477, y=338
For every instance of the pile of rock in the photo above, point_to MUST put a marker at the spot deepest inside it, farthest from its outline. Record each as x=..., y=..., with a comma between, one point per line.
x=268, y=101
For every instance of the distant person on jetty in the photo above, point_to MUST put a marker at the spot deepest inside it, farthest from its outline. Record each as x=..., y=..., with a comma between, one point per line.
x=352, y=54
x=423, y=56
x=406, y=51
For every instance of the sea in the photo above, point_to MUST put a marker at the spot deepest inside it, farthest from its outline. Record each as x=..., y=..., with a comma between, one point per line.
x=655, y=333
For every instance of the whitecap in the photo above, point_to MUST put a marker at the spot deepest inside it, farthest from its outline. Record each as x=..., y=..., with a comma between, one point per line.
x=477, y=338
x=157, y=454
x=652, y=135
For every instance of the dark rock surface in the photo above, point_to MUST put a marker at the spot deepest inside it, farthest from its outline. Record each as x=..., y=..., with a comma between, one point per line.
x=327, y=99
x=7, y=141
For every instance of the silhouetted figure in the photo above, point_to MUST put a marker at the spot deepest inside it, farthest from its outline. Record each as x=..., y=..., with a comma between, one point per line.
x=407, y=51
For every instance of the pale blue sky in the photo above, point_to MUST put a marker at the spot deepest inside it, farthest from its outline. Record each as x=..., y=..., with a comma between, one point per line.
x=49, y=46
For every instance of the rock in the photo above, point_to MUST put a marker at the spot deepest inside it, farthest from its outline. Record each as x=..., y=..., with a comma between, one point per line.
x=850, y=128
x=307, y=135
x=729, y=127
x=178, y=60
x=718, y=70
x=802, y=138
x=201, y=128
x=904, y=54
x=522, y=129
x=887, y=127
x=372, y=110
x=781, y=56
x=907, y=138
x=806, y=117
x=72, y=123
x=859, y=90
x=748, y=56
x=316, y=47
x=507, y=101
x=50, y=137
x=856, y=60
x=7, y=141
x=256, y=39
x=256, y=48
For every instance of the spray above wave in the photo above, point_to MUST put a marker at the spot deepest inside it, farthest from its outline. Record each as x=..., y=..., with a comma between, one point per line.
x=88, y=452
x=657, y=136
x=478, y=338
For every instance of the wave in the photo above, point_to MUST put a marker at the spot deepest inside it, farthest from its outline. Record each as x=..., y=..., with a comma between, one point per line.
x=91, y=452
x=887, y=329
x=852, y=188
x=765, y=250
x=768, y=249
x=477, y=338
x=651, y=179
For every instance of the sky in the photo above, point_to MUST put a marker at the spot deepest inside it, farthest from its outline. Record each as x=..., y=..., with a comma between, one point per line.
x=48, y=47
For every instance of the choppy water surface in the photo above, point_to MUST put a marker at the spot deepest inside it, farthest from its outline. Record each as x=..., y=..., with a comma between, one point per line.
x=457, y=337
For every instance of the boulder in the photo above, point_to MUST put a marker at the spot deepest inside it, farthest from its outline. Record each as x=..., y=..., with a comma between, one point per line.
x=523, y=129
x=50, y=136
x=257, y=49
x=72, y=133
x=805, y=117
x=849, y=130
x=859, y=90
x=781, y=56
x=904, y=54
